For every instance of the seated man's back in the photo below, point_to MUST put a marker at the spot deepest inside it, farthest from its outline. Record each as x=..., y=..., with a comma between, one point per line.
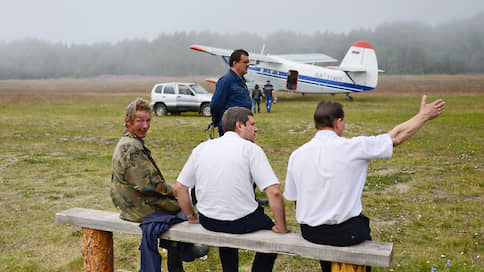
x=223, y=172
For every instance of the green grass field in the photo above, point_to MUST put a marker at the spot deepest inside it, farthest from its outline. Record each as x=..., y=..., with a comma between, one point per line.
x=56, y=154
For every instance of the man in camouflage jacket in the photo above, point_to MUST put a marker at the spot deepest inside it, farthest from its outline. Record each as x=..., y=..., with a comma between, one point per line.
x=138, y=188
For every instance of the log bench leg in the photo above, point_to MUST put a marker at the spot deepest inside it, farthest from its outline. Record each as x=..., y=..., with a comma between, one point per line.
x=341, y=267
x=97, y=250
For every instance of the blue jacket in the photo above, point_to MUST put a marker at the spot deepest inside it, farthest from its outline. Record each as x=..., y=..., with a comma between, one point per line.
x=230, y=91
x=152, y=226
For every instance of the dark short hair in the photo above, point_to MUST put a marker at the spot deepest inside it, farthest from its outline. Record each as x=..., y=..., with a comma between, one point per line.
x=326, y=112
x=234, y=115
x=237, y=55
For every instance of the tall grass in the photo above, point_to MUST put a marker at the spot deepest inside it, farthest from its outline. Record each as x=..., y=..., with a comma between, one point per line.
x=56, y=154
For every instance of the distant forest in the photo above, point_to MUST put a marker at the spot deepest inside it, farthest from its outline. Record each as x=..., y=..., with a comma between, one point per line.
x=456, y=46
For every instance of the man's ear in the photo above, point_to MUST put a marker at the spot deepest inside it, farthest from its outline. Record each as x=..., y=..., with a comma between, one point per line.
x=238, y=125
x=335, y=123
x=338, y=125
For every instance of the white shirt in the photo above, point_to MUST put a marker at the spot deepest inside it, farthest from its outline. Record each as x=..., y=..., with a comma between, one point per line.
x=223, y=172
x=326, y=176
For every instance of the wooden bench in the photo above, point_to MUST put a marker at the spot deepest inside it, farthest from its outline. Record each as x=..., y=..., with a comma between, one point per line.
x=97, y=242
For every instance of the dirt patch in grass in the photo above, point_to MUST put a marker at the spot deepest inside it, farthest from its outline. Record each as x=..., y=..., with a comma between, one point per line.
x=431, y=85
x=454, y=85
x=83, y=89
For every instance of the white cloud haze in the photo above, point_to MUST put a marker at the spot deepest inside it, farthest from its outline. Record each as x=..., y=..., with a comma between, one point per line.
x=91, y=21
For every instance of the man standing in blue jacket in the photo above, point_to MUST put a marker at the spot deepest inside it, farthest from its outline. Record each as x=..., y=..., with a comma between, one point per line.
x=231, y=90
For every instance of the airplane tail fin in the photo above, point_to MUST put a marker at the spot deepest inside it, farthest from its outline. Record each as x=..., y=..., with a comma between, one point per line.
x=360, y=64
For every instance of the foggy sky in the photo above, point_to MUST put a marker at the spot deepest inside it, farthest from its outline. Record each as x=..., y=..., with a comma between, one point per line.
x=90, y=21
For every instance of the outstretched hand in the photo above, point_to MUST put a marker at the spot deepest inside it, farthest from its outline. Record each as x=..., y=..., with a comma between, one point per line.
x=431, y=110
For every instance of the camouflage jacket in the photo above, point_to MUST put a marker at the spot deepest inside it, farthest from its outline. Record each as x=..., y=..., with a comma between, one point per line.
x=138, y=188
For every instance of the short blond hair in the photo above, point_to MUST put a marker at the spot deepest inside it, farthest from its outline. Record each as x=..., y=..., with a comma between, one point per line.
x=138, y=105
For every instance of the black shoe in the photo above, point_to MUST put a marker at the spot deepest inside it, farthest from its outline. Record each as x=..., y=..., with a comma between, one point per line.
x=200, y=250
x=262, y=202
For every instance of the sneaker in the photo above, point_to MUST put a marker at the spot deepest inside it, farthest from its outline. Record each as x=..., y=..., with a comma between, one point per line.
x=200, y=250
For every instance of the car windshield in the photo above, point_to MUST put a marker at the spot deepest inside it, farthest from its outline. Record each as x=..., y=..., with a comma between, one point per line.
x=198, y=89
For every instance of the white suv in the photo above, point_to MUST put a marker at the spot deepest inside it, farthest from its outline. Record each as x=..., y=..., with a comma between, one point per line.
x=175, y=97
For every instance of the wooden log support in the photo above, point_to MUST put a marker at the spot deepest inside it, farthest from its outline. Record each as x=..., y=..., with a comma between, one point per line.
x=342, y=267
x=97, y=250
x=98, y=227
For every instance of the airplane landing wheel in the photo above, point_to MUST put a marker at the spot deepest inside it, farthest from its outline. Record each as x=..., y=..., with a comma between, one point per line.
x=349, y=98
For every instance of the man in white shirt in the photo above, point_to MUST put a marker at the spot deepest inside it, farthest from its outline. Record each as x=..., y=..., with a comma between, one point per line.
x=223, y=172
x=326, y=176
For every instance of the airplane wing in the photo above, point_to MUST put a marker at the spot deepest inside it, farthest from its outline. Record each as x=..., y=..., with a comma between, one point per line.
x=303, y=58
x=214, y=51
x=211, y=80
x=308, y=58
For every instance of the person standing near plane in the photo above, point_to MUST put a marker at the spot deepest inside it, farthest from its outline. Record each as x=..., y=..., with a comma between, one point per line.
x=231, y=90
x=268, y=95
x=326, y=176
x=256, y=94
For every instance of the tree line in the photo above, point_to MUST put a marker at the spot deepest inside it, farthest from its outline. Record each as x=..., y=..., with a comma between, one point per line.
x=405, y=47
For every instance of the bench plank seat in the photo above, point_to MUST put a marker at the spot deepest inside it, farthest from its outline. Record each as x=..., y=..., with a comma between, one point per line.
x=369, y=253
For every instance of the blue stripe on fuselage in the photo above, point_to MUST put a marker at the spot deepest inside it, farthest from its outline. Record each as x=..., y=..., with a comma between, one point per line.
x=225, y=60
x=315, y=81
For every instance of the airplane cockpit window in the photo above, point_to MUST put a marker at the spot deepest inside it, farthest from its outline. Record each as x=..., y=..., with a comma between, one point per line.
x=169, y=90
x=184, y=90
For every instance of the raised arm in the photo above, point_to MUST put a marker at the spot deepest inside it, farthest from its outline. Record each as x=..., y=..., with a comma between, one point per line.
x=407, y=129
x=183, y=197
x=276, y=203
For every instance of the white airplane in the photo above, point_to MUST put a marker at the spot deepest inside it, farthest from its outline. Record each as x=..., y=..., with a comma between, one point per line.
x=357, y=72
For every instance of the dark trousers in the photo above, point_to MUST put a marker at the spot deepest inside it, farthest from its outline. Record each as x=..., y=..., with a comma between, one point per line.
x=229, y=257
x=351, y=232
x=256, y=102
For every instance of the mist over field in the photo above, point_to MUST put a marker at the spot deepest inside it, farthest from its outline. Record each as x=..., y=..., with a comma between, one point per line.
x=402, y=47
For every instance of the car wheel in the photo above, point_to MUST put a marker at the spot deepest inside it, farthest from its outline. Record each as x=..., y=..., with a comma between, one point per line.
x=205, y=110
x=160, y=109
